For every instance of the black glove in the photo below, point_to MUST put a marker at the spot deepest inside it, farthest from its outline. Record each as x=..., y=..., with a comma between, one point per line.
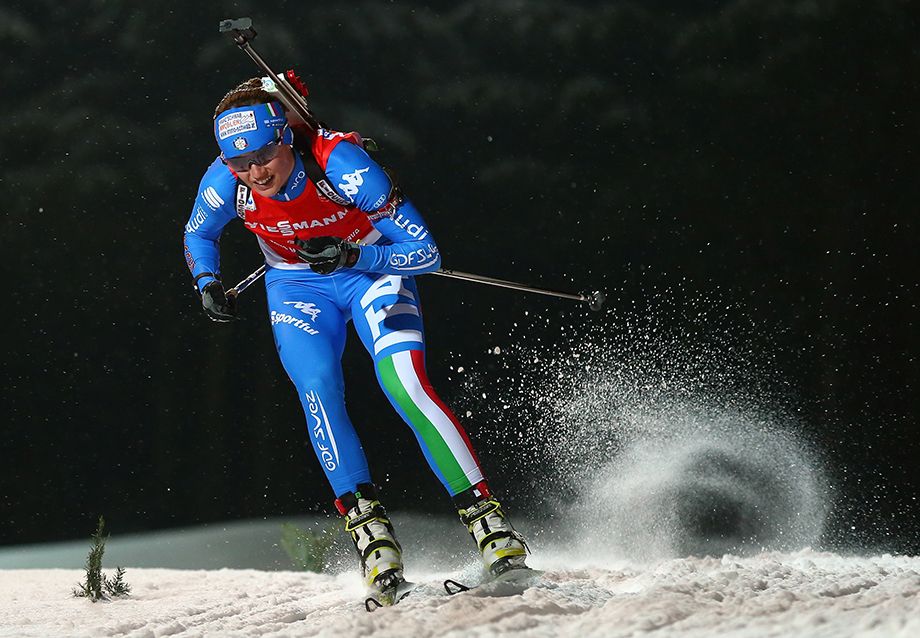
x=327, y=254
x=217, y=304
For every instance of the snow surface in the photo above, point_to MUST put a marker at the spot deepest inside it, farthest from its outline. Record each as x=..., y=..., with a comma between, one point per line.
x=671, y=513
x=805, y=593
x=627, y=557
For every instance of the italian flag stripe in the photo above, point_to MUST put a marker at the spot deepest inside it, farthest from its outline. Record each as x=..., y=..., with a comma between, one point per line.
x=449, y=448
x=418, y=363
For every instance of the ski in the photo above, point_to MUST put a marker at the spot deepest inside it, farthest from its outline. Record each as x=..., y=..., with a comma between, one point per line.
x=509, y=583
x=389, y=596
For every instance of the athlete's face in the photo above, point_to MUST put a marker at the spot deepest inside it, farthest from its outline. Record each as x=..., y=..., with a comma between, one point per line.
x=267, y=179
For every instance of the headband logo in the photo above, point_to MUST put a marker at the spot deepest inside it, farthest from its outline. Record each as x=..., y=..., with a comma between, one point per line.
x=235, y=124
x=240, y=143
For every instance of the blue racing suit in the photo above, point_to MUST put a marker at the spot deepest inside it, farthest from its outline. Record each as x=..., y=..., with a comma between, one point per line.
x=309, y=312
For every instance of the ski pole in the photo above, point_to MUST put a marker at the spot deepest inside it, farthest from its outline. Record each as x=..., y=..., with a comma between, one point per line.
x=251, y=279
x=595, y=300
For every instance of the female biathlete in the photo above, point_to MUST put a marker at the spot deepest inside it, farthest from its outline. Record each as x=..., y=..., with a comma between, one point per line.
x=334, y=255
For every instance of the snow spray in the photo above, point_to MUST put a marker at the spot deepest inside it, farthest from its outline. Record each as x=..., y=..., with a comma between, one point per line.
x=704, y=484
x=633, y=439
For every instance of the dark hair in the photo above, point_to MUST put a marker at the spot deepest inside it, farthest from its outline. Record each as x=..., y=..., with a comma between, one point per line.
x=249, y=92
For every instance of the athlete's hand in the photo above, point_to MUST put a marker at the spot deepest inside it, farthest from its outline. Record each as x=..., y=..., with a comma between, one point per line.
x=327, y=254
x=217, y=304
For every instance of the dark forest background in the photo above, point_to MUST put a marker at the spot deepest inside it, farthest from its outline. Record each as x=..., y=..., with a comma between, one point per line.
x=761, y=152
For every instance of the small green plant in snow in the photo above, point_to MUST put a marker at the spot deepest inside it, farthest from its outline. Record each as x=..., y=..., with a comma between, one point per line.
x=96, y=585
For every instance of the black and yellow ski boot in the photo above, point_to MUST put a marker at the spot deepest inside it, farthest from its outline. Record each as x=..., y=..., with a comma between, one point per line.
x=375, y=542
x=502, y=548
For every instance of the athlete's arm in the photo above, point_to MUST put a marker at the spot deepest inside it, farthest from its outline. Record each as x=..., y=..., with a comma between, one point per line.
x=413, y=250
x=214, y=208
x=359, y=178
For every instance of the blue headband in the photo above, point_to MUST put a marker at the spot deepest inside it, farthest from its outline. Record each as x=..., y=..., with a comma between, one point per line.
x=248, y=128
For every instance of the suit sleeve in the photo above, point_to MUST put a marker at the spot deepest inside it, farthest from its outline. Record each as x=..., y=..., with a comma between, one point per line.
x=412, y=250
x=213, y=209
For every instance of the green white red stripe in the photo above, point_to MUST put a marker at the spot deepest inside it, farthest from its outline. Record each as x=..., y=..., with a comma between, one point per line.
x=444, y=442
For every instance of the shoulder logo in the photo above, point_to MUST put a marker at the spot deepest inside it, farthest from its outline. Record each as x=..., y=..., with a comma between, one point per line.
x=211, y=198
x=330, y=135
x=324, y=189
x=353, y=181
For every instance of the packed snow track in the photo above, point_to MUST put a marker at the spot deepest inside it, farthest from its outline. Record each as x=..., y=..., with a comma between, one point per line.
x=771, y=594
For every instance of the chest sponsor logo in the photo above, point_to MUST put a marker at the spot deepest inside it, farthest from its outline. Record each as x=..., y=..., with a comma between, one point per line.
x=306, y=308
x=236, y=123
x=289, y=229
x=353, y=181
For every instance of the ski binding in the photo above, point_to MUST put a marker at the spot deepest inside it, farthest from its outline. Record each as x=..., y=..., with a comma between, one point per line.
x=508, y=583
x=389, y=596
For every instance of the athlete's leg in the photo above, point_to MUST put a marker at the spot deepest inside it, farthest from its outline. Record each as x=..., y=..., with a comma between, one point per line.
x=309, y=331
x=388, y=320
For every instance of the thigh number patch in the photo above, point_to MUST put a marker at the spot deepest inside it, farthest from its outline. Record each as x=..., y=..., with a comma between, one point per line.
x=388, y=286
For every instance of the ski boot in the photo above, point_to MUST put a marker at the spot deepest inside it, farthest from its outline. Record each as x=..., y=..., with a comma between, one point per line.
x=378, y=550
x=503, y=549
